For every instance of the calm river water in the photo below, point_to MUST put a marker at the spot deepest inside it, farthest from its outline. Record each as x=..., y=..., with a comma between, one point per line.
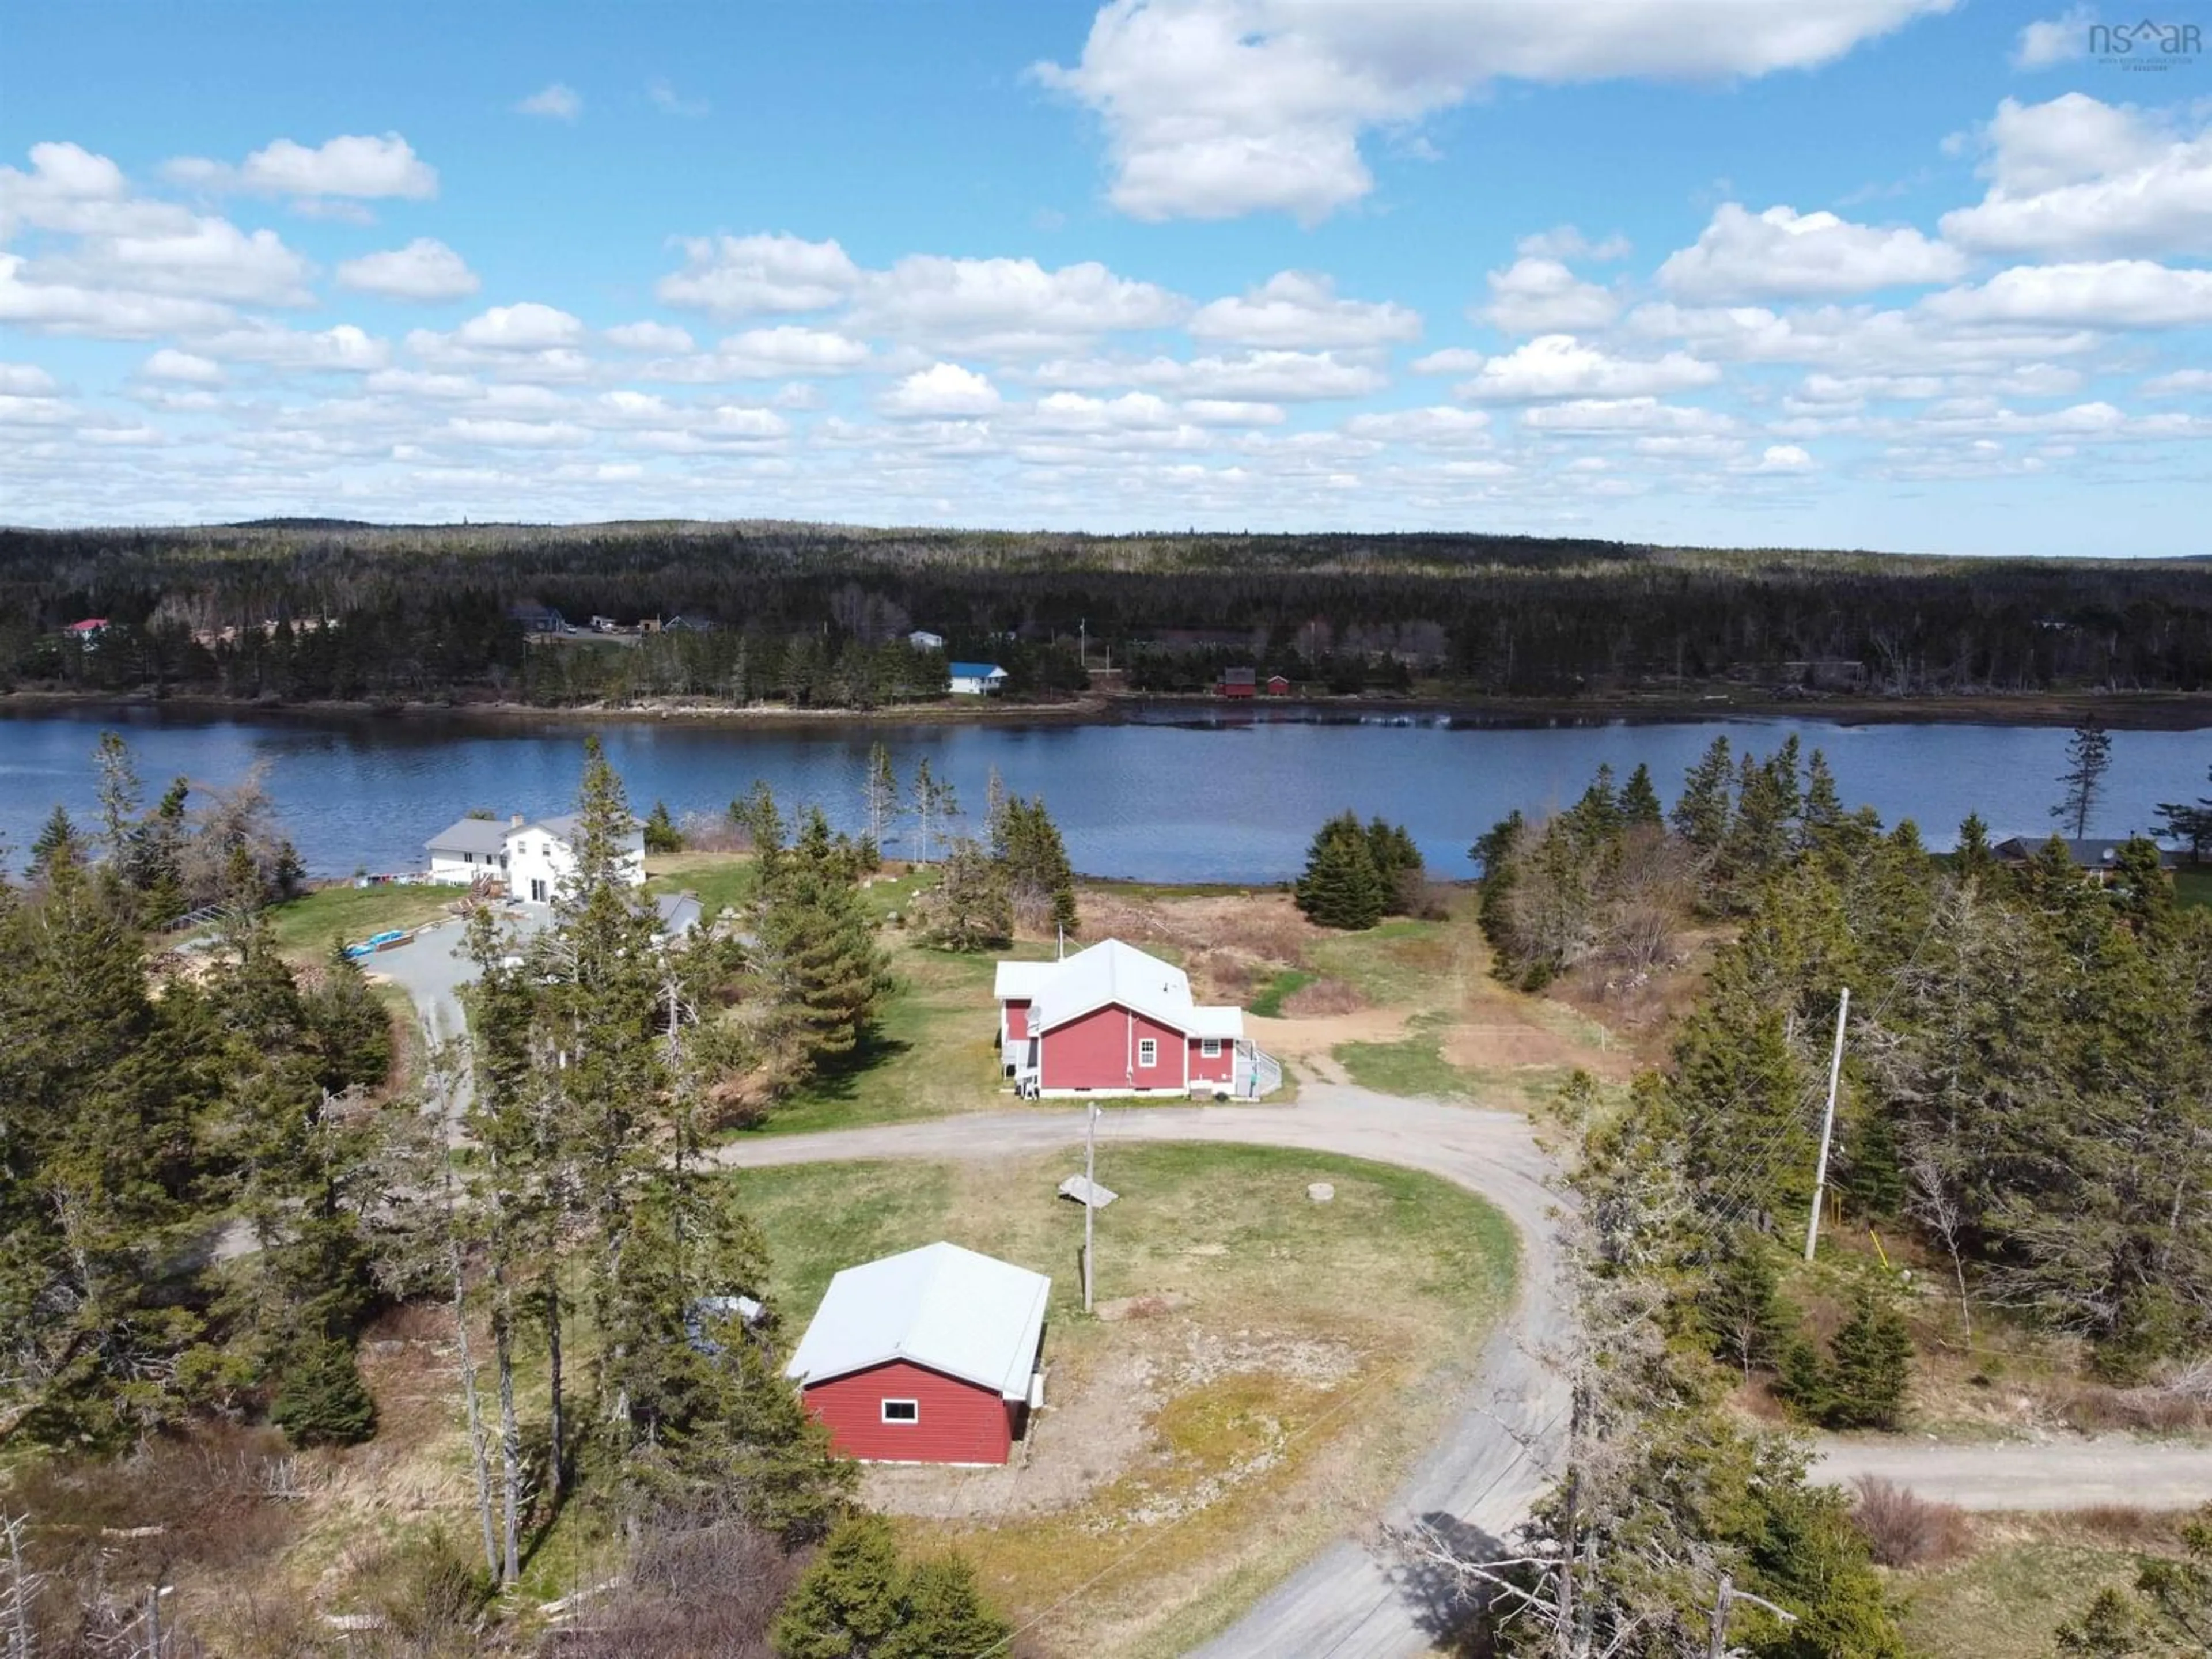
x=1163, y=797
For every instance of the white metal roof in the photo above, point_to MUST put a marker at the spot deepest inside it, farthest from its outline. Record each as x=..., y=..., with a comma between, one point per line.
x=1018, y=982
x=1110, y=971
x=971, y=1316
x=1206, y=1021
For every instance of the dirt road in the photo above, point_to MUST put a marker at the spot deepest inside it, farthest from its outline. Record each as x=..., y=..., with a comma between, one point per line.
x=2039, y=1475
x=1351, y=1601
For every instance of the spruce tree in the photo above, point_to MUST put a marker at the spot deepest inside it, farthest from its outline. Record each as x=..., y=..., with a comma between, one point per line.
x=1973, y=860
x=846, y=1603
x=943, y=1615
x=321, y=1400
x=1341, y=887
x=661, y=834
x=2088, y=757
x=1639, y=801
x=969, y=909
x=1870, y=1367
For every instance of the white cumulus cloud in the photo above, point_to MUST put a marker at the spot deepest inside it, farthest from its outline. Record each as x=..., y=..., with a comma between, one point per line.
x=425, y=269
x=528, y=326
x=736, y=275
x=354, y=165
x=1782, y=252
x=1006, y=306
x=2054, y=40
x=2110, y=293
x=1561, y=366
x=1537, y=294
x=171, y=364
x=1214, y=108
x=2076, y=175
x=1297, y=308
x=940, y=390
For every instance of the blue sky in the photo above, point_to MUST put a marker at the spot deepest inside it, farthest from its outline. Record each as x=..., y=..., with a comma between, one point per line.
x=1887, y=273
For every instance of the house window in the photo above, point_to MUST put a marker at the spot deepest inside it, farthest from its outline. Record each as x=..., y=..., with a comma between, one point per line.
x=1210, y=1048
x=1148, y=1054
x=902, y=1410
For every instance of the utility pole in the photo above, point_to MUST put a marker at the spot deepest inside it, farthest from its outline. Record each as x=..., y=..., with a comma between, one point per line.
x=1090, y=1195
x=1828, y=1126
x=1083, y=640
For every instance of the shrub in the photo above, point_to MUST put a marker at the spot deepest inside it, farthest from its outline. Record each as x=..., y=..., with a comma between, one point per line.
x=1904, y=1530
x=322, y=1400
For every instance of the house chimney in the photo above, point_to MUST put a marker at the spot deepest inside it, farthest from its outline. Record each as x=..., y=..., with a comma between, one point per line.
x=515, y=821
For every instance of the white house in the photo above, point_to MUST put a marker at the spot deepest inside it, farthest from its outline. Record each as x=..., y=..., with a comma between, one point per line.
x=473, y=850
x=974, y=679
x=533, y=857
x=922, y=640
x=541, y=854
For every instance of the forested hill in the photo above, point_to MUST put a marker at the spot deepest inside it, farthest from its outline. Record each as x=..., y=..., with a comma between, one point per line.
x=820, y=613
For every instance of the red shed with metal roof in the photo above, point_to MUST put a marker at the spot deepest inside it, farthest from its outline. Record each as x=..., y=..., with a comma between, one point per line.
x=930, y=1355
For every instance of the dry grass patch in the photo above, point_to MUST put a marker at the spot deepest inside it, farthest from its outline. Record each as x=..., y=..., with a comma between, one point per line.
x=2026, y=1575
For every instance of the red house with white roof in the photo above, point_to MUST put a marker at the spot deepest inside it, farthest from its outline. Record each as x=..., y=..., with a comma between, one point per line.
x=931, y=1356
x=1111, y=1020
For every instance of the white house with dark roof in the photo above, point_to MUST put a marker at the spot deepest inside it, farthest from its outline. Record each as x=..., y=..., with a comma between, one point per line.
x=533, y=856
x=472, y=850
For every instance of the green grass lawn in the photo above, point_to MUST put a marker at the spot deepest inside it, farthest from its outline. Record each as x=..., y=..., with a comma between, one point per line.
x=722, y=880
x=304, y=927
x=1268, y=1003
x=1401, y=1275
x=1415, y=1064
x=2192, y=888
x=2027, y=1576
x=932, y=1052
x=1401, y=962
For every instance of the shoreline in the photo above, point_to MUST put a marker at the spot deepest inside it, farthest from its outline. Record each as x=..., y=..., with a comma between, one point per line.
x=2156, y=711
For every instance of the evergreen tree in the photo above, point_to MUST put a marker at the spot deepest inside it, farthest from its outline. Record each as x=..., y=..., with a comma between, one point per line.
x=2088, y=757
x=1701, y=815
x=970, y=909
x=661, y=834
x=1973, y=860
x=2189, y=822
x=1639, y=801
x=321, y=1400
x=817, y=952
x=1039, y=879
x=58, y=843
x=1341, y=887
x=943, y=1615
x=879, y=794
x=1870, y=1367
x=846, y=1604
x=1398, y=865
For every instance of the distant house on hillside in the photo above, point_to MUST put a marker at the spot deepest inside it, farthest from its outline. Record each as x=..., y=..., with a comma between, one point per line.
x=86, y=634
x=689, y=623
x=930, y=1355
x=1238, y=683
x=1278, y=685
x=2095, y=857
x=1113, y=1020
x=975, y=679
x=922, y=640
x=534, y=858
x=535, y=618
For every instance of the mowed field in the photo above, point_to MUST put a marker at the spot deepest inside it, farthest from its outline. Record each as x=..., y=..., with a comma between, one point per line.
x=1262, y=1368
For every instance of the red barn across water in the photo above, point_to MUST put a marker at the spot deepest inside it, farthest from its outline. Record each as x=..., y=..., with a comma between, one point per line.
x=1112, y=1020
x=928, y=1357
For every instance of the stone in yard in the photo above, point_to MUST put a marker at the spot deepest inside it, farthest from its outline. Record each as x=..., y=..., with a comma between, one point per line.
x=1320, y=1192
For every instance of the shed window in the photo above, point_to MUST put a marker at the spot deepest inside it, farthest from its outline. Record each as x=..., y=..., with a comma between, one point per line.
x=902, y=1410
x=1148, y=1053
x=1210, y=1047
